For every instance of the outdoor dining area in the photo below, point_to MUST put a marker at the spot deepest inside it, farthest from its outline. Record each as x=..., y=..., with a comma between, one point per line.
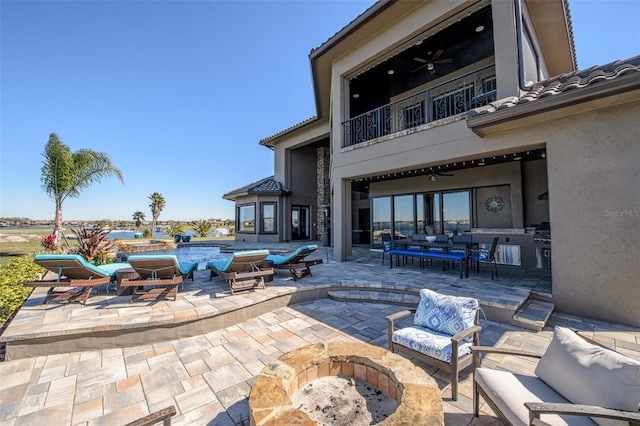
x=452, y=249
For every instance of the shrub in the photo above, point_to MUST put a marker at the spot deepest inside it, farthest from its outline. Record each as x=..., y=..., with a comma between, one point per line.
x=12, y=292
x=92, y=244
x=174, y=229
x=50, y=242
x=202, y=227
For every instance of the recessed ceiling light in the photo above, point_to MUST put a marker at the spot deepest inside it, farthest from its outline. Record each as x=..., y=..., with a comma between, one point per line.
x=356, y=96
x=390, y=72
x=479, y=28
x=517, y=158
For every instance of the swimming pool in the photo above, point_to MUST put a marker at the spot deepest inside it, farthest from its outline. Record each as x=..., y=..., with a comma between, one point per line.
x=201, y=255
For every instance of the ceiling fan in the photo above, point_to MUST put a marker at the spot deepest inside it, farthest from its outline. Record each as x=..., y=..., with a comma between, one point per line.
x=433, y=177
x=431, y=61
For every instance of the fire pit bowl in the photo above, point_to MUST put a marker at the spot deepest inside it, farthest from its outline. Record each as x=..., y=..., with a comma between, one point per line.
x=417, y=394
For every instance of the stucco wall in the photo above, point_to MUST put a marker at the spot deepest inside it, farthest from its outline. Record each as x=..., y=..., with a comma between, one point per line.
x=593, y=172
x=535, y=183
x=594, y=206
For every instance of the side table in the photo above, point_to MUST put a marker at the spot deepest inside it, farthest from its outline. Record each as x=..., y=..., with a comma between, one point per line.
x=128, y=273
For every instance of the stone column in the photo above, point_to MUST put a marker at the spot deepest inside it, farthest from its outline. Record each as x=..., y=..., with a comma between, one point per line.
x=324, y=191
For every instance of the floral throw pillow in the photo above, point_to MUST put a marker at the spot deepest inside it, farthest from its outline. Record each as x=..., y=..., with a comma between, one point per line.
x=445, y=314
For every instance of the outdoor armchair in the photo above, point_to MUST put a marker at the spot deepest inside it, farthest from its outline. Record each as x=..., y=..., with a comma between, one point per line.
x=575, y=379
x=443, y=331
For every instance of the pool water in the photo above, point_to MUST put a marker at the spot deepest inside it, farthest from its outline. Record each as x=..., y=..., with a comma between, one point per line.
x=200, y=255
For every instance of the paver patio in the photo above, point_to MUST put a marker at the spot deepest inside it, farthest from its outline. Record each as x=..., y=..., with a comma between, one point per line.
x=208, y=376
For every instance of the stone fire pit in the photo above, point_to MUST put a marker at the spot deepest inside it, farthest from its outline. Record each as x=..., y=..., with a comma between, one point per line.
x=418, y=396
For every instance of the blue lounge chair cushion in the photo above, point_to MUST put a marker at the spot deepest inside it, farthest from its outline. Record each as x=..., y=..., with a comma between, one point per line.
x=185, y=268
x=278, y=259
x=223, y=265
x=108, y=270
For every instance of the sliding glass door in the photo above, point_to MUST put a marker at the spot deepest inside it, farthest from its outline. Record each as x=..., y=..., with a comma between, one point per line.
x=426, y=213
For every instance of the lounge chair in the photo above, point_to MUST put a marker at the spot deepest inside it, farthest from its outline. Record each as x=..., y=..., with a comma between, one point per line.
x=163, y=273
x=243, y=271
x=295, y=260
x=73, y=270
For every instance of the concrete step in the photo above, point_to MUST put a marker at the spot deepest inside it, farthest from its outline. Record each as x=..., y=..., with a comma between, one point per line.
x=533, y=314
x=372, y=296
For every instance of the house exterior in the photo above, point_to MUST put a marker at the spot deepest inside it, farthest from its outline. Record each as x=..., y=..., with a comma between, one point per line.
x=468, y=117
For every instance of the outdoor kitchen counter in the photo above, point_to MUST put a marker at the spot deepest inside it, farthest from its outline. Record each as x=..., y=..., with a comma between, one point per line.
x=509, y=236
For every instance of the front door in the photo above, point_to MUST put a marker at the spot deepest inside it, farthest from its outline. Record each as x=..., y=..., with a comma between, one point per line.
x=300, y=222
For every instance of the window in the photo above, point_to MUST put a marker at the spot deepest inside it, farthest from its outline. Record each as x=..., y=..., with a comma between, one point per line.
x=381, y=219
x=268, y=217
x=246, y=219
x=456, y=212
x=403, y=223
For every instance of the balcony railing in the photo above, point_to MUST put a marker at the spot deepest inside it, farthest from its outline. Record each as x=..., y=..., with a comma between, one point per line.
x=444, y=100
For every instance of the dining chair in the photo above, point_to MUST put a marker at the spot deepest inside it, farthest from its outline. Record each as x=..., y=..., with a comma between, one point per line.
x=387, y=245
x=485, y=256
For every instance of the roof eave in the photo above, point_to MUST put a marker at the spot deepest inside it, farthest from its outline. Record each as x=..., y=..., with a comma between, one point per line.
x=484, y=123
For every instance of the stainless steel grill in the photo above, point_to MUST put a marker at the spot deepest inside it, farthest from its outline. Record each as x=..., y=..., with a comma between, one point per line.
x=542, y=234
x=542, y=240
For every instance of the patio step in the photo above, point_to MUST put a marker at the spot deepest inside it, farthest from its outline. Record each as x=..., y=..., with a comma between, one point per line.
x=534, y=314
x=371, y=296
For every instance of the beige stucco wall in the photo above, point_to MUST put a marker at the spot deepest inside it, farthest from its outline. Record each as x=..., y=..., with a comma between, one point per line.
x=594, y=208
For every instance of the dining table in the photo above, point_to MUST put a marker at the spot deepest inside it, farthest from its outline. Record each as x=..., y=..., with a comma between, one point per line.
x=445, y=245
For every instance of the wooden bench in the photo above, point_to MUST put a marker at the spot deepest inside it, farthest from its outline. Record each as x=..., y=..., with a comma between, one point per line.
x=425, y=254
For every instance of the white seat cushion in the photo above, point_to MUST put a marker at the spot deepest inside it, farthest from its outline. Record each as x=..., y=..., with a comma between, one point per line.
x=585, y=373
x=510, y=391
x=429, y=342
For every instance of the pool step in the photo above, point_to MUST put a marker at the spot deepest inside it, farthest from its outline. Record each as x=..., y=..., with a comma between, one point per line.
x=534, y=313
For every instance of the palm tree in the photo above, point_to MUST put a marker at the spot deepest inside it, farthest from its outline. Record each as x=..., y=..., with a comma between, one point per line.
x=138, y=216
x=66, y=174
x=202, y=227
x=157, y=205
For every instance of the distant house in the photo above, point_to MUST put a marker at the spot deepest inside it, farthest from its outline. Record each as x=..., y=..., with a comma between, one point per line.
x=468, y=117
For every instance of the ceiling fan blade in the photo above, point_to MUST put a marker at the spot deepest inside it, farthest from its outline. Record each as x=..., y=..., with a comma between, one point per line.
x=437, y=54
x=419, y=68
x=424, y=61
x=443, y=61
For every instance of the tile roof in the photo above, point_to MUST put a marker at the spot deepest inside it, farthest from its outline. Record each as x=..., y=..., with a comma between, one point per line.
x=264, y=141
x=265, y=186
x=564, y=83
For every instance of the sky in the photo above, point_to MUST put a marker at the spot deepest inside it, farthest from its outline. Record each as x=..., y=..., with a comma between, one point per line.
x=179, y=93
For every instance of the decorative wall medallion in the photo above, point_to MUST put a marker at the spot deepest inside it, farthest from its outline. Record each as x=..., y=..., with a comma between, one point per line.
x=494, y=204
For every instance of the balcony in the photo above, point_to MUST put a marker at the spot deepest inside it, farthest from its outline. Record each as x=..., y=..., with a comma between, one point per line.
x=444, y=100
